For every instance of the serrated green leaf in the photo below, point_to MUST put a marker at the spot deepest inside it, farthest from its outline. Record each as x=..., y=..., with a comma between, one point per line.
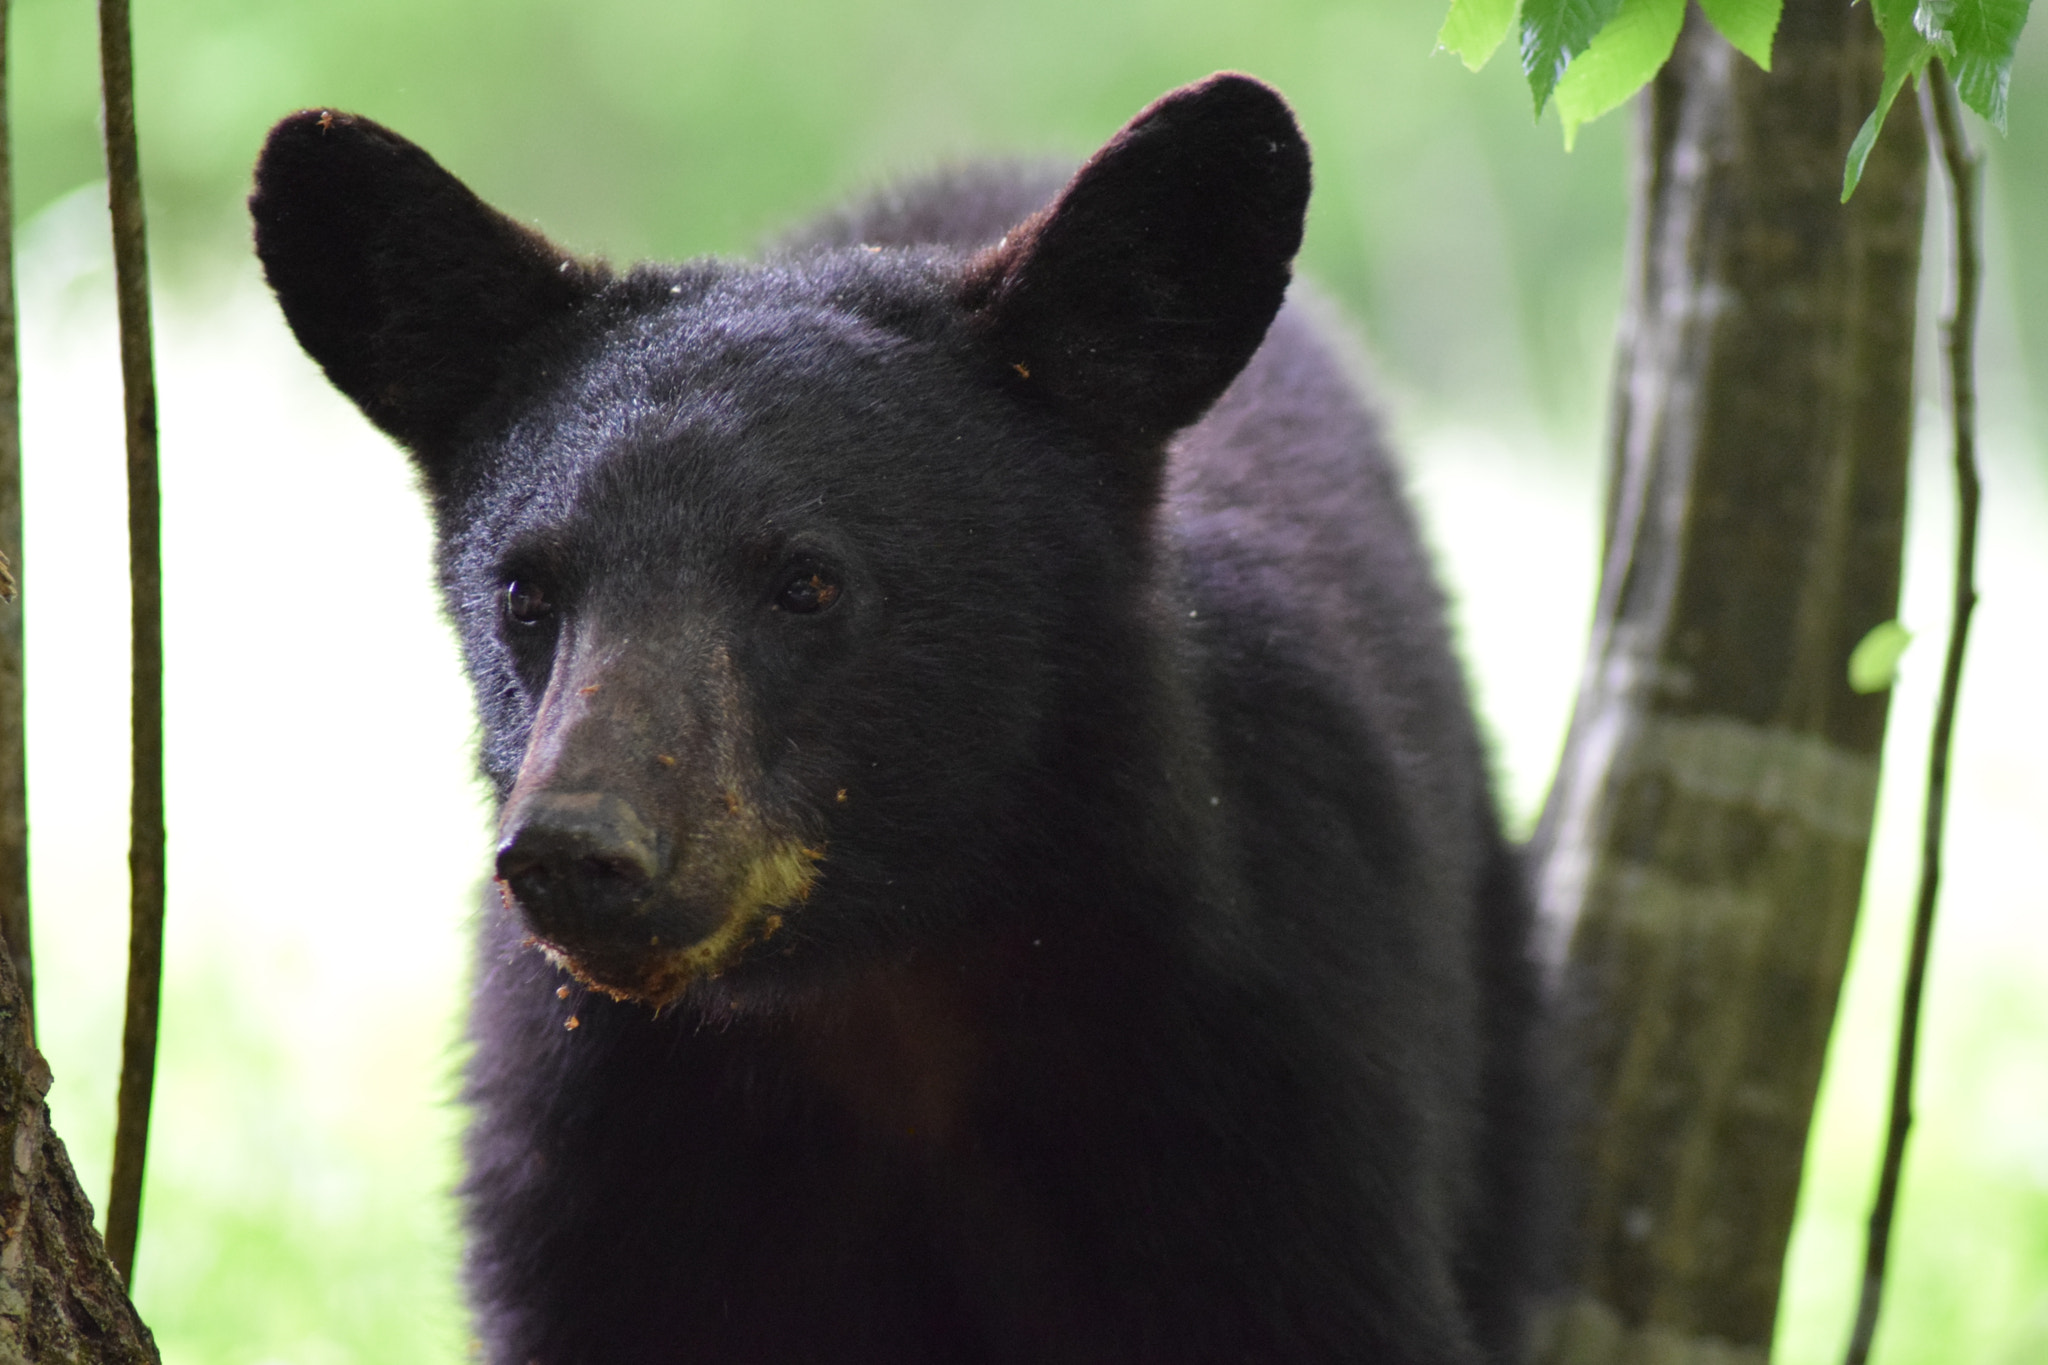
x=1474, y=28
x=1874, y=663
x=1554, y=32
x=1977, y=39
x=1906, y=53
x=1982, y=84
x=1621, y=60
x=1749, y=25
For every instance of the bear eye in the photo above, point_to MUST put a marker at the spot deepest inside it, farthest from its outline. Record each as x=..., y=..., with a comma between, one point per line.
x=526, y=603
x=808, y=593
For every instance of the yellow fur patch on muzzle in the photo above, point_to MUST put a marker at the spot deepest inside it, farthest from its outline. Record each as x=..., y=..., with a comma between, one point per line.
x=781, y=875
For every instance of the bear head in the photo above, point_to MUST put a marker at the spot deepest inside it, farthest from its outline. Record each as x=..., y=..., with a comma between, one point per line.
x=765, y=572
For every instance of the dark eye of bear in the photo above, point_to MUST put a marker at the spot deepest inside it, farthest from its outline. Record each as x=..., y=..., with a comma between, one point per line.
x=525, y=603
x=807, y=593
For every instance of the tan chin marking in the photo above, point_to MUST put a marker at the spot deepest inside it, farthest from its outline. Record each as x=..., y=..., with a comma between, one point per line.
x=779, y=877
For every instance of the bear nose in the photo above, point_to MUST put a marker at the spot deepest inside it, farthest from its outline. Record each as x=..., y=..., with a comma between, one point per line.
x=576, y=861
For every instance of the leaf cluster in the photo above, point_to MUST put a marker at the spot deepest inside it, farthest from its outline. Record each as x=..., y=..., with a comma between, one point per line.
x=1592, y=55
x=1975, y=39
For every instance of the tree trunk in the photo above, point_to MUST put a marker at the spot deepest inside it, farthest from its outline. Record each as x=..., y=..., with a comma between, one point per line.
x=1700, y=860
x=60, y=1301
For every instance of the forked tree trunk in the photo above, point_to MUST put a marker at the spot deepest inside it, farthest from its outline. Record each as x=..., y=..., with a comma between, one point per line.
x=1701, y=857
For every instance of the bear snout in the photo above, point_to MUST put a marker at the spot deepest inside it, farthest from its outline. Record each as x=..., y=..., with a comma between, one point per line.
x=580, y=864
x=622, y=909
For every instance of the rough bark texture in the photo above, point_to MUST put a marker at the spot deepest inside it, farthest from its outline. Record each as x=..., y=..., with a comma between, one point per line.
x=1701, y=858
x=60, y=1301
x=14, y=925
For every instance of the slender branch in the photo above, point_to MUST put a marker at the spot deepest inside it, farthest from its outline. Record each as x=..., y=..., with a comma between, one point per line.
x=146, y=802
x=14, y=919
x=1945, y=126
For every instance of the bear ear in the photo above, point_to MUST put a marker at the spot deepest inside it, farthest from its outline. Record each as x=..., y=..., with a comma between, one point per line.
x=408, y=289
x=1134, y=299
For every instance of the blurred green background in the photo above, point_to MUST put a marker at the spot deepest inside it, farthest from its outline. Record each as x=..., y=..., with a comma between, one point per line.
x=327, y=839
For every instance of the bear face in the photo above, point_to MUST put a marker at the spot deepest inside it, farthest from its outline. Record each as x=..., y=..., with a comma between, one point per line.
x=726, y=612
x=995, y=862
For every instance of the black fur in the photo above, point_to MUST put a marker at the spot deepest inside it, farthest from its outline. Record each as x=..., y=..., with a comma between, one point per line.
x=1158, y=990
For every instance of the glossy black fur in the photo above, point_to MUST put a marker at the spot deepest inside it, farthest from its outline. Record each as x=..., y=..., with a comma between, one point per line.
x=1162, y=994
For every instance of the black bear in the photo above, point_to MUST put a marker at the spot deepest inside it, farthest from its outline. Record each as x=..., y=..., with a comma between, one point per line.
x=997, y=864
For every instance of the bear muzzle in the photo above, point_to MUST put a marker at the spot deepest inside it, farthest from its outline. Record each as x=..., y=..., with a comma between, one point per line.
x=636, y=913
x=635, y=845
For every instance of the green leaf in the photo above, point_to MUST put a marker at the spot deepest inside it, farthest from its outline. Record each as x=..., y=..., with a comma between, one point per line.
x=1874, y=663
x=1976, y=39
x=1621, y=60
x=1906, y=53
x=1748, y=24
x=1475, y=28
x=1554, y=32
x=1931, y=20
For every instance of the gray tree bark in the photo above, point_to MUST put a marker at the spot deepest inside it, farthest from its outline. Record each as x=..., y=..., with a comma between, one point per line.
x=1700, y=860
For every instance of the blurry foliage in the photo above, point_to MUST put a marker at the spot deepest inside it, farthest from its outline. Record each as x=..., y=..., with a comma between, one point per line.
x=1874, y=663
